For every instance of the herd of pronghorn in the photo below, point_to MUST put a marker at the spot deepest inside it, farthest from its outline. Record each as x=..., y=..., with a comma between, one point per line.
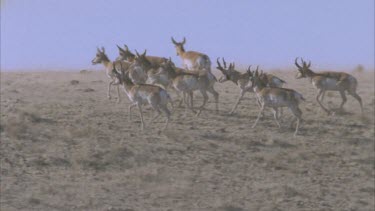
x=145, y=80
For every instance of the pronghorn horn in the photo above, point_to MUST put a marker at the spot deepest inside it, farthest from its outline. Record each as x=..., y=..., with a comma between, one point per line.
x=119, y=47
x=144, y=53
x=296, y=63
x=218, y=63
x=224, y=63
x=136, y=52
x=309, y=64
x=174, y=41
x=183, y=41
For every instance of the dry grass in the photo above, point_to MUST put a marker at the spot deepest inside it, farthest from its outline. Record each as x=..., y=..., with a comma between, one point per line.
x=65, y=146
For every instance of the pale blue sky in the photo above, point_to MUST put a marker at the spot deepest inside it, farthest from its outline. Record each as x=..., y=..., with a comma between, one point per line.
x=43, y=34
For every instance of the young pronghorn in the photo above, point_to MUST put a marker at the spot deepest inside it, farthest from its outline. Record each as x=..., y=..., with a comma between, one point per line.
x=242, y=80
x=141, y=94
x=329, y=81
x=126, y=55
x=187, y=82
x=276, y=98
x=101, y=57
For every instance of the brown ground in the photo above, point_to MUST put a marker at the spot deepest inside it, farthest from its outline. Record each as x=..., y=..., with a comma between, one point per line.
x=65, y=146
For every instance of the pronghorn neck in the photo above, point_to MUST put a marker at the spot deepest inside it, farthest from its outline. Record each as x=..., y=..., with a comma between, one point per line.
x=107, y=64
x=181, y=51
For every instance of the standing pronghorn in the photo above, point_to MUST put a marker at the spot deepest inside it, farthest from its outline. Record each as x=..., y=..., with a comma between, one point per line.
x=276, y=98
x=242, y=80
x=101, y=57
x=141, y=94
x=329, y=81
x=197, y=62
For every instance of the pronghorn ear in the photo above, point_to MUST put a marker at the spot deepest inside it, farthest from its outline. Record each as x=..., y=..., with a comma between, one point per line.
x=119, y=48
x=136, y=52
x=183, y=41
x=103, y=50
x=126, y=47
x=173, y=41
x=308, y=66
x=144, y=53
x=97, y=49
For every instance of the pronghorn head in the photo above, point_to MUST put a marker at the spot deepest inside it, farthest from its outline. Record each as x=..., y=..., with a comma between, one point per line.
x=125, y=54
x=141, y=59
x=227, y=72
x=304, y=70
x=256, y=77
x=100, y=56
x=179, y=46
x=168, y=65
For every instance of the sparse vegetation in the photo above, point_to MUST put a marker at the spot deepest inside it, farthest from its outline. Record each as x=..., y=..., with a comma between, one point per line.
x=65, y=149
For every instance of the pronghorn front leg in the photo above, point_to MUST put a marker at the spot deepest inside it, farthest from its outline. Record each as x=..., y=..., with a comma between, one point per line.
x=109, y=89
x=141, y=115
x=259, y=115
x=321, y=91
x=118, y=93
x=238, y=101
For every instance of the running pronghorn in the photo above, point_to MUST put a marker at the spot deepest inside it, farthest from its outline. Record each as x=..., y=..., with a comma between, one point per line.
x=276, y=98
x=126, y=55
x=140, y=94
x=140, y=68
x=329, y=81
x=242, y=80
x=101, y=57
x=187, y=82
x=196, y=62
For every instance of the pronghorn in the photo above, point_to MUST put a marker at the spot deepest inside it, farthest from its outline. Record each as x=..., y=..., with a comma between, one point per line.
x=141, y=94
x=242, y=80
x=101, y=57
x=140, y=67
x=194, y=61
x=329, y=81
x=276, y=98
x=187, y=82
x=126, y=55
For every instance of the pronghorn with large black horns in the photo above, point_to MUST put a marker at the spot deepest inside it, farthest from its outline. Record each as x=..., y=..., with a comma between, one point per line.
x=276, y=98
x=109, y=66
x=240, y=79
x=141, y=94
x=329, y=81
x=127, y=55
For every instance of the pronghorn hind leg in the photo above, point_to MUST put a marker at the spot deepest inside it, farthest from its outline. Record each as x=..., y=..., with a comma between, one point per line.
x=297, y=113
x=167, y=113
x=205, y=97
x=358, y=98
x=343, y=96
x=216, y=96
x=130, y=110
x=276, y=116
